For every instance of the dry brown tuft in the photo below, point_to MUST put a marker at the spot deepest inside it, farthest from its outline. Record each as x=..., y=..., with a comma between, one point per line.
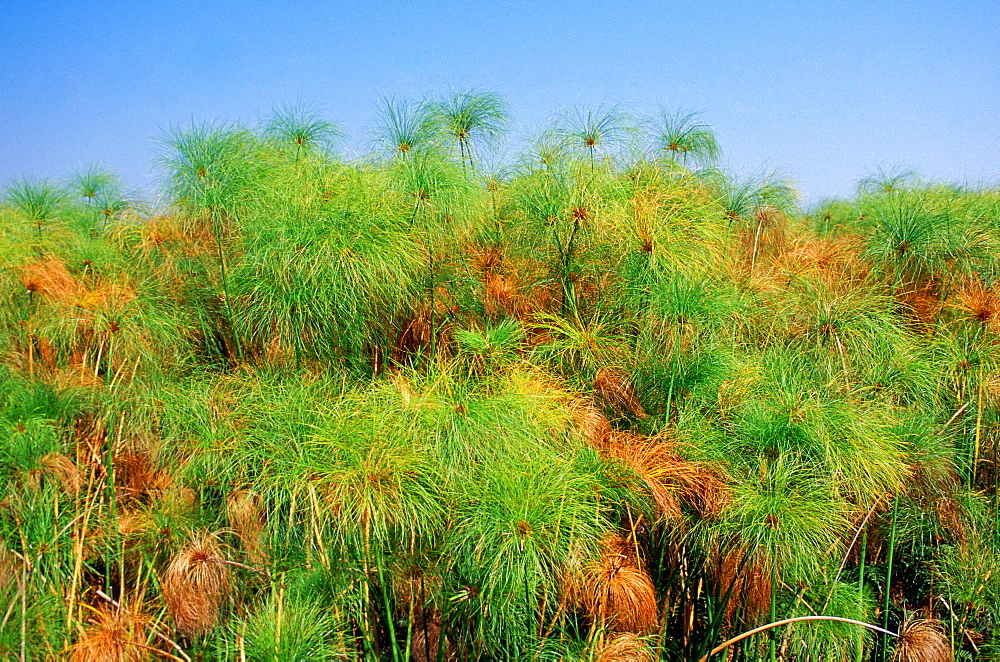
x=618, y=593
x=427, y=641
x=413, y=335
x=49, y=278
x=7, y=567
x=835, y=259
x=114, y=635
x=655, y=465
x=923, y=305
x=76, y=376
x=922, y=640
x=626, y=647
x=592, y=424
x=951, y=517
x=60, y=470
x=501, y=295
x=485, y=259
x=616, y=388
x=245, y=511
x=671, y=479
x=89, y=436
x=767, y=235
x=137, y=478
x=748, y=581
x=980, y=303
x=195, y=585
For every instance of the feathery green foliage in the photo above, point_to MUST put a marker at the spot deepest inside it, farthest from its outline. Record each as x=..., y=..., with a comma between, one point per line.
x=607, y=403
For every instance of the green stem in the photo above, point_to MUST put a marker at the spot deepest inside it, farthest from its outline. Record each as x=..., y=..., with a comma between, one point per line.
x=217, y=231
x=861, y=591
x=888, y=577
x=109, y=486
x=996, y=496
x=773, y=645
x=388, y=608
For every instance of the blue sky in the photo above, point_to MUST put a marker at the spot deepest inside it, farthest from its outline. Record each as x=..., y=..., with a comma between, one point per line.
x=825, y=91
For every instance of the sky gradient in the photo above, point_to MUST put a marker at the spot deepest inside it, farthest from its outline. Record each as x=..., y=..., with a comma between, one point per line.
x=825, y=91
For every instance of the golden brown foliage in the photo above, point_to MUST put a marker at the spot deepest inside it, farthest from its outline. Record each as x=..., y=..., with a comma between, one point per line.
x=501, y=296
x=49, y=278
x=764, y=237
x=748, y=581
x=922, y=640
x=616, y=388
x=980, y=304
x=138, y=478
x=245, y=511
x=923, y=304
x=7, y=568
x=115, y=635
x=670, y=478
x=427, y=641
x=591, y=424
x=834, y=259
x=618, y=592
x=626, y=647
x=60, y=470
x=196, y=585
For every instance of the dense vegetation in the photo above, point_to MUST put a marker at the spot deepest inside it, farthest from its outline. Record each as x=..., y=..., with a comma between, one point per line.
x=604, y=402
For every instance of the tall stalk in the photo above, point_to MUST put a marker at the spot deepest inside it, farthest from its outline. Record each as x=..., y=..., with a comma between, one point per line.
x=861, y=590
x=996, y=496
x=773, y=644
x=888, y=577
x=220, y=254
x=979, y=426
x=387, y=605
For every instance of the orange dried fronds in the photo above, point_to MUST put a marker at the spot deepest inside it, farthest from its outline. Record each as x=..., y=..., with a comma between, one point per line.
x=592, y=424
x=669, y=477
x=626, y=647
x=835, y=259
x=485, y=259
x=115, y=635
x=76, y=376
x=980, y=303
x=414, y=334
x=618, y=592
x=500, y=296
x=59, y=469
x=138, y=478
x=245, y=511
x=195, y=585
x=427, y=640
x=615, y=386
x=49, y=278
x=922, y=640
x=7, y=568
x=951, y=516
x=747, y=578
x=652, y=462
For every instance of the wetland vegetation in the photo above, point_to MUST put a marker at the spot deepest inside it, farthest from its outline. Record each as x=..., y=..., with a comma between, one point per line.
x=602, y=402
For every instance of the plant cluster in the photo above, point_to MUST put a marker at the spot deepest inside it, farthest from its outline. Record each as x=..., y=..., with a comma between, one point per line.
x=606, y=402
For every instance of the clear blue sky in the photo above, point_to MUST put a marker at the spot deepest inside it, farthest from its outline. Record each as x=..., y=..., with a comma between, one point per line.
x=824, y=90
